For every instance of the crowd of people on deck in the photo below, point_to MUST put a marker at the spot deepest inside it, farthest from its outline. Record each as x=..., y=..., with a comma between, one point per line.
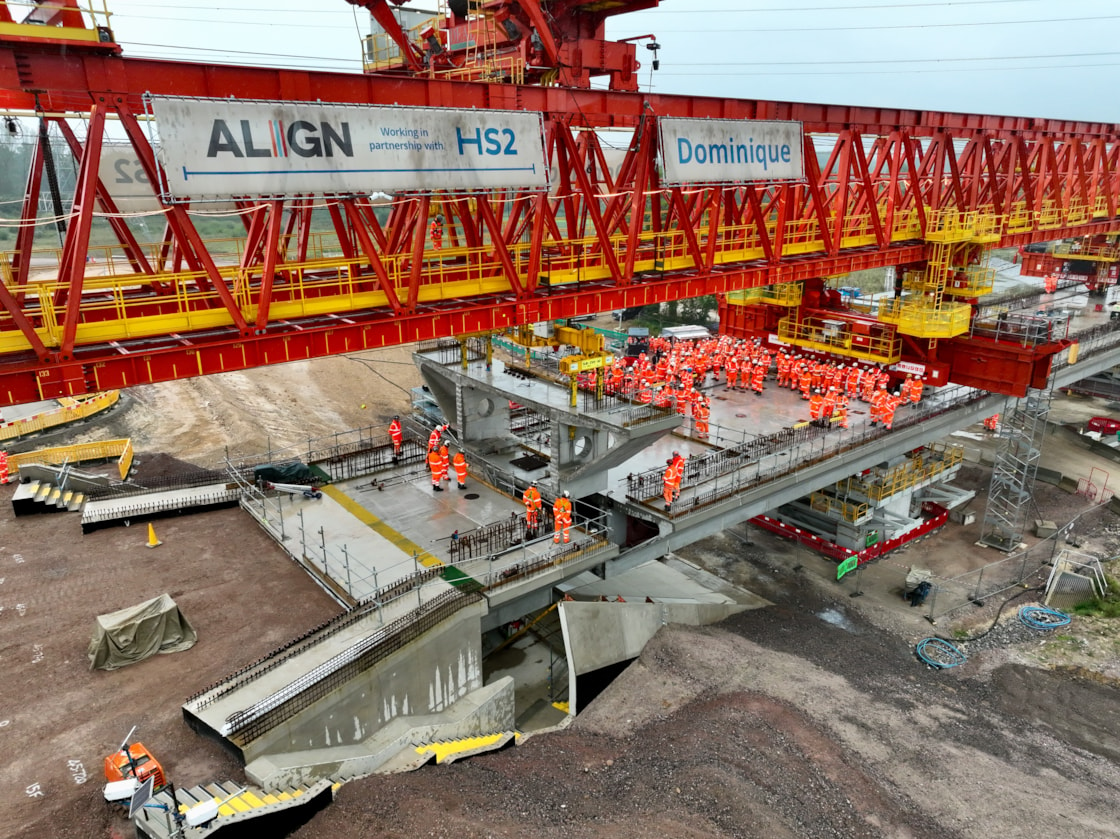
x=682, y=374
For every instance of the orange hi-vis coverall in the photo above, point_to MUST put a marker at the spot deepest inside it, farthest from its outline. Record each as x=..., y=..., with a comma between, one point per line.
x=916, y=391
x=434, y=437
x=397, y=434
x=435, y=463
x=460, y=464
x=445, y=460
x=562, y=516
x=532, y=499
x=668, y=483
x=816, y=407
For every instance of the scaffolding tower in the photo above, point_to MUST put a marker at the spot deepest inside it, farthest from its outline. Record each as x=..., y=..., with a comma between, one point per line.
x=1011, y=490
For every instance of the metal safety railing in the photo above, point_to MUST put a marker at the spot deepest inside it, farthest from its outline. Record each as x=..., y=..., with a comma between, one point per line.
x=1024, y=568
x=917, y=318
x=76, y=409
x=245, y=726
x=751, y=464
x=313, y=637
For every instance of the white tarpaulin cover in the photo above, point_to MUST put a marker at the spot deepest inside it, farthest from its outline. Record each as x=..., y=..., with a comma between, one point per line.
x=133, y=634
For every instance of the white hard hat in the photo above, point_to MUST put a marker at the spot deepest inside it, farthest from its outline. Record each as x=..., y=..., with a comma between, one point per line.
x=566, y=495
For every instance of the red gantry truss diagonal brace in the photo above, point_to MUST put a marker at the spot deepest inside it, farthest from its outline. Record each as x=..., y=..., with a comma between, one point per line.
x=606, y=235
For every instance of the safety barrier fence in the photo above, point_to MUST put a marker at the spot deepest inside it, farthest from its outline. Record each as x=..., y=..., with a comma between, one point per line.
x=375, y=603
x=1103, y=336
x=1027, y=300
x=625, y=403
x=77, y=409
x=167, y=483
x=496, y=538
x=939, y=517
x=521, y=569
x=763, y=459
x=119, y=450
x=447, y=351
x=360, y=462
x=1027, y=567
x=924, y=466
x=245, y=726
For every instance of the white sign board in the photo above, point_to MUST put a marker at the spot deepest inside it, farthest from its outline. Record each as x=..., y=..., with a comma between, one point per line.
x=729, y=151
x=908, y=367
x=218, y=148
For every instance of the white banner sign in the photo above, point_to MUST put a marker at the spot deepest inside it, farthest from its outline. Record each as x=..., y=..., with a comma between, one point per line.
x=217, y=148
x=908, y=367
x=128, y=185
x=728, y=151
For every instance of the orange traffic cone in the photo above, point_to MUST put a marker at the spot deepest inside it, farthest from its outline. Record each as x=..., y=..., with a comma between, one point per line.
x=153, y=542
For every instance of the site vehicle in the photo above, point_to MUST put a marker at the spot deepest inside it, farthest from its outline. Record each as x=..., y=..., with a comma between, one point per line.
x=1103, y=425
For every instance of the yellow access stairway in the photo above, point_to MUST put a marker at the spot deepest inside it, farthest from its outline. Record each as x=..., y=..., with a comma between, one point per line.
x=237, y=811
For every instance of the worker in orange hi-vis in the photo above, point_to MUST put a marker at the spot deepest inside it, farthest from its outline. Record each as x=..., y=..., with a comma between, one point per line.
x=878, y=403
x=842, y=411
x=756, y=378
x=396, y=433
x=435, y=437
x=992, y=422
x=667, y=482
x=562, y=517
x=890, y=405
x=435, y=463
x=828, y=408
x=852, y=383
x=816, y=407
x=532, y=499
x=678, y=473
x=435, y=232
x=445, y=459
x=703, y=412
x=459, y=462
x=870, y=387
x=806, y=382
x=732, y=367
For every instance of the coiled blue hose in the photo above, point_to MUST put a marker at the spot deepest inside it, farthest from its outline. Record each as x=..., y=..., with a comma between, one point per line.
x=1038, y=617
x=939, y=653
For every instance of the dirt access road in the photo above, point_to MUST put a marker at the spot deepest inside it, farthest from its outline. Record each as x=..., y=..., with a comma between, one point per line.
x=810, y=718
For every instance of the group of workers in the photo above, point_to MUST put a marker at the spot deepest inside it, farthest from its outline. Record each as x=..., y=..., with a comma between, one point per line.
x=561, y=513
x=440, y=464
x=673, y=373
x=440, y=461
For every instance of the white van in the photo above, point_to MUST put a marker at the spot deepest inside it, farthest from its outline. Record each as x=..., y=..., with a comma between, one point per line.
x=685, y=333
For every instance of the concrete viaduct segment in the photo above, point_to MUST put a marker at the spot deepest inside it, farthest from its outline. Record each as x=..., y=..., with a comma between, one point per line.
x=404, y=665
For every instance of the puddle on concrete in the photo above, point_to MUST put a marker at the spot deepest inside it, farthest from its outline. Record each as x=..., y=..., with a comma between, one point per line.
x=836, y=618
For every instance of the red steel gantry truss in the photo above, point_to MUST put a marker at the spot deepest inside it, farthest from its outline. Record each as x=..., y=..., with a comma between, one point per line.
x=926, y=192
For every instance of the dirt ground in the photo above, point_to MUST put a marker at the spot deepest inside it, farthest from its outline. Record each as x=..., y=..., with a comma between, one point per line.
x=810, y=718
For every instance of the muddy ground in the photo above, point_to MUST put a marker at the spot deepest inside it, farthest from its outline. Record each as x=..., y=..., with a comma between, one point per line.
x=809, y=718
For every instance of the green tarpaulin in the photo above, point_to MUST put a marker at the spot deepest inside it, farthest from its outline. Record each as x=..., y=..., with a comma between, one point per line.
x=133, y=634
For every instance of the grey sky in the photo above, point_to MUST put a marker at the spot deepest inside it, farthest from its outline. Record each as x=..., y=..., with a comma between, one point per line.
x=1040, y=58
